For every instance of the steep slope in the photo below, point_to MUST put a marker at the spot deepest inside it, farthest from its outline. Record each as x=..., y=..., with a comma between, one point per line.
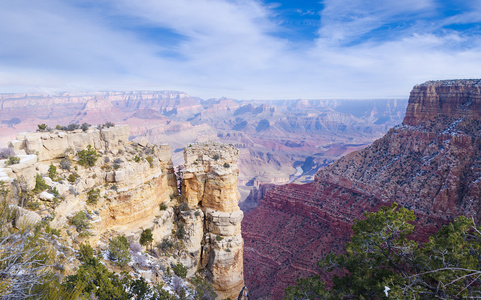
x=430, y=163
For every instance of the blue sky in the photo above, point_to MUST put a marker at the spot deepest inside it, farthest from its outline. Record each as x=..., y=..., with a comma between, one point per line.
x=247, y=49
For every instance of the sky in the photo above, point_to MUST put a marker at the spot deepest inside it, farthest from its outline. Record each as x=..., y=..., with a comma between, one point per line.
x=242, y=49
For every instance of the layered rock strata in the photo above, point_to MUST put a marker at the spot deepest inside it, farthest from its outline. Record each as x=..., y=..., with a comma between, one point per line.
x=210, y=182
x=430, y=164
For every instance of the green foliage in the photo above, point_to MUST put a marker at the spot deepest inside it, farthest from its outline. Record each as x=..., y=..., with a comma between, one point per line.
x=52, y=172
x=81, y=223
x=137, y=158
x=87, y=157
x=40, y=184
x=184, y=206
x=72, y=177
x=180, y=233
x=202, y=288
x=93, y=196
x=165, y=245
x=3, y=191
x=42, y=127
x=146, y=237
x=219, y=238
x=382, y=254
x=150, y=160
x=93, y=278
x=119, y=251
x=12, y=160
x=163, y=206
x=53, y=231
x=85, y=126
x=180, y=270
x=226, y=165
x=54, y=191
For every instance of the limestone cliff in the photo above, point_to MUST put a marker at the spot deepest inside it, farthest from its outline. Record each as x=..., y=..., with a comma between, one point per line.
x=210, y=181
x=429, y=164
x=129, y=187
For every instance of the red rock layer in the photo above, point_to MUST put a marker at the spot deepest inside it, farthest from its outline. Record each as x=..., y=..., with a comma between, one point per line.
x=431, y=164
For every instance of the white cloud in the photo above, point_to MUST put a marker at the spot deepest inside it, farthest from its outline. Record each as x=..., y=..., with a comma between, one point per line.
x=227, y=49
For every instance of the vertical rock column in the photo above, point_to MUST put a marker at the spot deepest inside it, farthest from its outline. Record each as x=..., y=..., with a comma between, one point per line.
x=210, y=181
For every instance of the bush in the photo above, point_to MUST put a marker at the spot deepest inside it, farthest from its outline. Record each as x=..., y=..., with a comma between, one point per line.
x=40, y=184
x=81, y=223
x=180, y=233
x=108, y=124
x=219, y=238
x=118, y=161
x=203, y=289
x=165, y=245
x=150, y=160
x=180, y=270
x=87, y=157
x=163, y=206
x=119, y=251
x=12, y=160
x=65, y=164
x=137, y=158
x=72, y=177
x=52, y=172
x=116, y=166
x=72, y=127
x=93, y=196
x=85, y=126
x=146, y=237
x=42, y=127
x=6, y=153
x=216, y=157
x=226, y=165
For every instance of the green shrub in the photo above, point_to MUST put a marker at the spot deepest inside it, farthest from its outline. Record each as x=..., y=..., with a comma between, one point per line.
x=137, y=158
x=87, y=157
x=216, y=157
x=54, y=191
x=42, y=127
x=12, y=160
x=150, y=160
x=180, y=270
x=119, y=251
x=146, y=237
x=81, y=223
x=180, y=233
x=52, y=172
x=40, y=184
x=219, y=238
x=165, y=245
x=93, y=196
x=226, y=165
x=163, y=206
x=184, y=206
x=72, y=177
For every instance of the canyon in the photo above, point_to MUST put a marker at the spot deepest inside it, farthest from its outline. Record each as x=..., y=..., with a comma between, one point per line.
x=430, y=164
x=279, y=141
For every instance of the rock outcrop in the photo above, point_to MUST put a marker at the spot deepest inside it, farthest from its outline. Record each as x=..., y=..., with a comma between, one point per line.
x=210, y=182
x=429, y=164
x=130, y=187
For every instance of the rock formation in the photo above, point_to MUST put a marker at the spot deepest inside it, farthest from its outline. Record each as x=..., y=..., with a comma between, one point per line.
x=131, y=187
x=429, y=164
x=210, y=181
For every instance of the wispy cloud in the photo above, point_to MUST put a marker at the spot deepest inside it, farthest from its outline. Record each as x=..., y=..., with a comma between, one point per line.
x=212, y=48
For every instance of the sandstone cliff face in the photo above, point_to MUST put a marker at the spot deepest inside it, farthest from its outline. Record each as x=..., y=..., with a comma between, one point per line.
x=210, y=181
x=429, y=164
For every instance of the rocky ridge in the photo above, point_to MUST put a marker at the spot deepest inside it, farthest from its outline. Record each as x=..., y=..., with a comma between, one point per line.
x=429, y=164
x=136, y=190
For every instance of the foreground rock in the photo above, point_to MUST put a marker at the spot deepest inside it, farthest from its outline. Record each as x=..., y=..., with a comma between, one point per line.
x=429, y=164
x=129, y=187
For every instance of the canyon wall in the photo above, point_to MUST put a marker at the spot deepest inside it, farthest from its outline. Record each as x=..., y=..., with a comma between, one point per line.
x=135, y=188
x=210, y=181
x=429, y=164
